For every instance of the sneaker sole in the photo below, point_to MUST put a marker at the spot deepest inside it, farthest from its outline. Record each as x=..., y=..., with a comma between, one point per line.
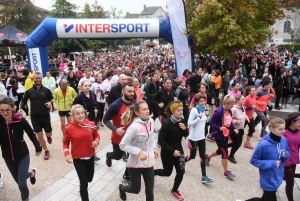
x=229, y=178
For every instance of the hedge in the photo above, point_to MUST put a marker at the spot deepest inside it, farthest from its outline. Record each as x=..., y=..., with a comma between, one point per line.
x=289, y=47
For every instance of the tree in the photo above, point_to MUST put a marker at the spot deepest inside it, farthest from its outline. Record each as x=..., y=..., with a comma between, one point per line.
x=223, y=26
x=114, y=13
x=63, y=9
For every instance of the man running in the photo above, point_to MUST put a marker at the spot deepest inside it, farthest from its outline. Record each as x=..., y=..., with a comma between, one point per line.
x=40, y=104
x=63, y=101
x=114, y=113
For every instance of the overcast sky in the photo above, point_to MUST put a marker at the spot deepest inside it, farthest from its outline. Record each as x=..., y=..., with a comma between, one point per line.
x=131, y=6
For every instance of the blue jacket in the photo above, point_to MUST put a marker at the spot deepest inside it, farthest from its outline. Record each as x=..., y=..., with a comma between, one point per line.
x=265, y=157
x=217, y=121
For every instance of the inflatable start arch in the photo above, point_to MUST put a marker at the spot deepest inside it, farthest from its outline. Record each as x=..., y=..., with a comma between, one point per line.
x=52, y=28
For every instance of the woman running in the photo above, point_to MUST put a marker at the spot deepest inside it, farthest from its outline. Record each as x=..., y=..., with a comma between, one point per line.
x=236, y=89
x=250, y=106
x=182, y=94
x=222, y=125
x=269, y=156
x=13, y=146
x=238, y=118
x=139, y=142
x=197, y=120
x=171, y=133
x=292, y=135
x=84, y=138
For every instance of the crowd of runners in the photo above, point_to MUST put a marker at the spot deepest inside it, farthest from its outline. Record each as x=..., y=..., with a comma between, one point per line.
x=126, y=91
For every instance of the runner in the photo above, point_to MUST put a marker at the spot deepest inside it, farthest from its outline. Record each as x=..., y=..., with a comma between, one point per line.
x=139, y=142
x=171, y=134
x=222, y=125
x=269, y=156
x=197, y=120
x=40, y=103
x=292, y=135
x=84, y=139
x=114, y=113
x=14, y=150
x=63, y=101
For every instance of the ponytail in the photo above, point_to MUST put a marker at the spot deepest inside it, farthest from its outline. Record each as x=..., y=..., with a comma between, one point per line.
x=127, y=116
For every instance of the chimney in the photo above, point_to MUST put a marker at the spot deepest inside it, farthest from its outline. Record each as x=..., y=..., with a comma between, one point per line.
x=145, y=6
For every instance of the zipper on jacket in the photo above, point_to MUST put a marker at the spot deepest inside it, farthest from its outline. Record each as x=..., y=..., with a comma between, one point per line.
x=11, y=150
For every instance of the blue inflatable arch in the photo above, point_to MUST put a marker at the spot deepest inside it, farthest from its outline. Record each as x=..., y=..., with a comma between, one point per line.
x=52, y=28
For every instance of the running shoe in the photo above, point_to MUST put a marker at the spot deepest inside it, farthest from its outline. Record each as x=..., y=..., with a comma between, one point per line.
x=177, y=195
x=286, y=107
x=206, y=179
x=108, y=160
x=33, y=178
x=1, y=180
x=260, y=138
x=210, y=138
x=122, y=194
x=229, y=175
x=187, y=158
x=96, y=158
x=283, y=107
x=126, y=179
x=207, y=160
x=49, y=140
x=248, y=145
x=47, y=155
x=232, y=159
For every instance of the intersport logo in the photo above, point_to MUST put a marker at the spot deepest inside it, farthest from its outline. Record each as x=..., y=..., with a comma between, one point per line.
x=68, y=28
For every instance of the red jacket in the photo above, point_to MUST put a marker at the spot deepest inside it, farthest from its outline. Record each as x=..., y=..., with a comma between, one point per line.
x=82, y=137
x=249, y=102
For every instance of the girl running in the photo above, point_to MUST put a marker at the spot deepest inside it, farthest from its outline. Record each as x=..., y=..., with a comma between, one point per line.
x=84, y=138
x=139, y=142
x=236, y=89
x=269, y=156
x=292, y=135
x=13, y=146
x=222, y=125
x=197, y=120
x=171, y=133
x=238, y=118
x=250, y=106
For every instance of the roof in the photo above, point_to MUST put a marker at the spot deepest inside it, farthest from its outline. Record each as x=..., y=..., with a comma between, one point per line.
x=132, y=15
x=150, y=10
x=42, y=9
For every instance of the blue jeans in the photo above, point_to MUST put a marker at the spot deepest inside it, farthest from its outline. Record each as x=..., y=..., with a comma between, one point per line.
x=19, y=171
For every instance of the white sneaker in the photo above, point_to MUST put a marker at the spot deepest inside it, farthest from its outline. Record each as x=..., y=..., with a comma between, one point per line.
x=1, y=180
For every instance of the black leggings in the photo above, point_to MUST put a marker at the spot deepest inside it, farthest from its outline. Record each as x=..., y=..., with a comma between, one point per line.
x=267, y=196
x=222, y=147
x=251, y=126
x=168, y=161
x=289, y=174
x=117, y=154
x=100, y=108
x=19, y=171
x=193, y=150
x=85, y=171
x=135, y=178
x=236, y=142
x=261, y=117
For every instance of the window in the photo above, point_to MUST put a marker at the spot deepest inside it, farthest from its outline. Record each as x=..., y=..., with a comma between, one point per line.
x=287, y=26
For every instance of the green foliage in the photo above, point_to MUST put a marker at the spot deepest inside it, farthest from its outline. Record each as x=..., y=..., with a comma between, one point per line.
x=289, y=47
x=114, y=13
x=93, y=11
x=223, y=26
x=63, y=9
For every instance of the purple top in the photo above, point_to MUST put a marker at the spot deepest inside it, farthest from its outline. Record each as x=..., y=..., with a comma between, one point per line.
x=293, y=140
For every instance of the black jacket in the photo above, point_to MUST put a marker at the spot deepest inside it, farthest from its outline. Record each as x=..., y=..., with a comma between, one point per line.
x=163, y=97
x=289, y=83
x=13, y=145
x=151, y=90
x=193, y=81
x=250, y=80
x=278, y=84
x=73, y=82
x=88, y=103
x=38, y=99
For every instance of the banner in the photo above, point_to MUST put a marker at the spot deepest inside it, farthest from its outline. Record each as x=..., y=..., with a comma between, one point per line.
x=35, y=60
x=178, y=26
x=9, y=53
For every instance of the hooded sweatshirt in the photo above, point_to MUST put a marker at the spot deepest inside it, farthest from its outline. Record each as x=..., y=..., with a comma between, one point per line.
x=139, y=137
x=238, y=114
x=293, y=139
x=263, y=97
x=82, y=137
x=265, y=157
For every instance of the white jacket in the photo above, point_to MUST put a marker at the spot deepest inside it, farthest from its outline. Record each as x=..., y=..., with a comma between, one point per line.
x=198, y=124
x=3, y=91
x=139, y=137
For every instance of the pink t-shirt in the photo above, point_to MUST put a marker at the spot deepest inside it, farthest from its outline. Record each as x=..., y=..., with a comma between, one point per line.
x=235, y=93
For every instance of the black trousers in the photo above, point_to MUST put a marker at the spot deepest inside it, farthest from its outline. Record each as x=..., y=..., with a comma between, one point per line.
x=222, y=147
x=135, y=178
x=267, y=196
x=236, y=142
x=85, y=171
x=117, y=154
x=100, y=108
x=278, y=96
x=193, y=150
x=168, y=161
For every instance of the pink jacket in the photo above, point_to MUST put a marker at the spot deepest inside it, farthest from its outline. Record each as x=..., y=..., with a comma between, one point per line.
x=293, y=140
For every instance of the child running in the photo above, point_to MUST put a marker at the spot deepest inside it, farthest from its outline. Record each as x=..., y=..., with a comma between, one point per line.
x=197, y=120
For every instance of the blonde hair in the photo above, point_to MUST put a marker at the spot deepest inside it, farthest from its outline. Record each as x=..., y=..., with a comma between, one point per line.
x=129, y=114
x=74, y=107
x=274, y=122
x=229, y=99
